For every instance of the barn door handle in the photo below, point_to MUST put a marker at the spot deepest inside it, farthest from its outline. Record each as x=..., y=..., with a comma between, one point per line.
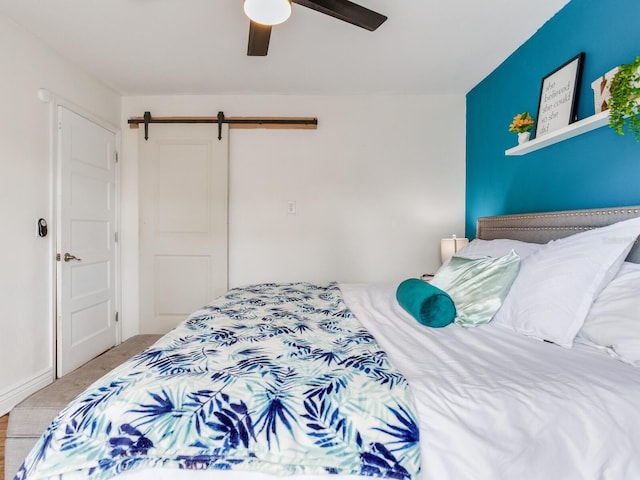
x=68, y=257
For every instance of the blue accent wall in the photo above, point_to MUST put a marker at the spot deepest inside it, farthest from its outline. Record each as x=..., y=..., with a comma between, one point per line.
x=596, y=169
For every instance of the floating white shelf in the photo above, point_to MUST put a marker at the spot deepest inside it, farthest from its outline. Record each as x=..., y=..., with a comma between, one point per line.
x=577, y=128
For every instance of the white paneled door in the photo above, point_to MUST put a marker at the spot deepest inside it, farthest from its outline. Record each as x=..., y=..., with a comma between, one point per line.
x=86, y=242
x=183, y=180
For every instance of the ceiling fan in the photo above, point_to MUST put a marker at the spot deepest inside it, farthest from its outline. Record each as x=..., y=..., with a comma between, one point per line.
x=264, y=14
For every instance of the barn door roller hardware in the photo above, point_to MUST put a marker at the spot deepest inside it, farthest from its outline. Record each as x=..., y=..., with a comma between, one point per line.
x=307, y=123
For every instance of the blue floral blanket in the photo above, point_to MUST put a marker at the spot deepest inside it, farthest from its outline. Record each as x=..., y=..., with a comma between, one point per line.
x=275, y=378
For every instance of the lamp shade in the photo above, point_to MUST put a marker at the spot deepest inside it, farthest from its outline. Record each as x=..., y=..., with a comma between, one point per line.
x=268, y=12
x=449, y=246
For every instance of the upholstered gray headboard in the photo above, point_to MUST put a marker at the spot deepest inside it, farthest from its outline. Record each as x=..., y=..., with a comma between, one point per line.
x=545, y=226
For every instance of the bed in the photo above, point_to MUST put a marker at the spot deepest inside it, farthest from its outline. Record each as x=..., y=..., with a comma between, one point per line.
x=499, y=400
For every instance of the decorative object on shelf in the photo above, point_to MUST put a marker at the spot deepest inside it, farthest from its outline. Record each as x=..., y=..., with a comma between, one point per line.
x=625, y=97
x=523, y=137
x=522, y=124
x=602, y=90
x=449, y=246
x=558, y=96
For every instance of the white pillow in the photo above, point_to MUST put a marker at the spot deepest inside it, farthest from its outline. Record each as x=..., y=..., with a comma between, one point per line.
x=614, y=319
x=556, y=286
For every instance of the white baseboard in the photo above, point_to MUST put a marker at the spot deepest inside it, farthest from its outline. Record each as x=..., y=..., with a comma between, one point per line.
x=14, y=394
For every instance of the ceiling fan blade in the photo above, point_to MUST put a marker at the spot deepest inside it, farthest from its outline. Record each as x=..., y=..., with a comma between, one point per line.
x=346, y=11
x=259, y=36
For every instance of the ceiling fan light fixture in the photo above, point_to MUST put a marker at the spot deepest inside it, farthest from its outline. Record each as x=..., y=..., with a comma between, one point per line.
x=268, y=12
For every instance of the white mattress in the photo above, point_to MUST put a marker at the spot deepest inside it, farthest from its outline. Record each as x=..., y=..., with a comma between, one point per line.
x=497, y=405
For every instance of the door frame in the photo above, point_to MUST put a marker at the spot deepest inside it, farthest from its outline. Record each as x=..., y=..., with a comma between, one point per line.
x=55, y=213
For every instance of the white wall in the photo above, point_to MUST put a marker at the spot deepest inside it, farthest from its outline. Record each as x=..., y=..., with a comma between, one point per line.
x=26, y=267
x=376, y=186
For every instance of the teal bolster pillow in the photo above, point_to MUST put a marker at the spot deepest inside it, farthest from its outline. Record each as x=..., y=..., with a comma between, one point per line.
x=427, y=304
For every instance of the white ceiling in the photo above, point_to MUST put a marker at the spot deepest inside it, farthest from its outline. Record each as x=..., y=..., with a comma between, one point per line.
x=164, y=47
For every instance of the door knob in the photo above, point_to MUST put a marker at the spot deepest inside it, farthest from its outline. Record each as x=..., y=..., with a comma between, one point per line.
x=68, y=257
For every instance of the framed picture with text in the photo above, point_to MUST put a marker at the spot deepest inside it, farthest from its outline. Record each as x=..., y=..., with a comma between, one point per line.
x=559, y=96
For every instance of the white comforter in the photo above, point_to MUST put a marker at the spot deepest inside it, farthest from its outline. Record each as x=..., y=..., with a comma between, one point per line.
x=496, y=405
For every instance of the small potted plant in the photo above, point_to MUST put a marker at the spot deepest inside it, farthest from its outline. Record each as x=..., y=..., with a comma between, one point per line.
x=522, y=124
x=625, y=96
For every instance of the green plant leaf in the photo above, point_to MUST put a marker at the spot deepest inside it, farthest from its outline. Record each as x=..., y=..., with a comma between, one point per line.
x=625, y=95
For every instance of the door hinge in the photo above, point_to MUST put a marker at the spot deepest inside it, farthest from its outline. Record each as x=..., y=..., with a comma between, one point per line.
x=116, y=157
x=116, y=317
x=116, y=237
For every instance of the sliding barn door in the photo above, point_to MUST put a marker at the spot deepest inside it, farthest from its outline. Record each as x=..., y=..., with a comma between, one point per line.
x=183, y=181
